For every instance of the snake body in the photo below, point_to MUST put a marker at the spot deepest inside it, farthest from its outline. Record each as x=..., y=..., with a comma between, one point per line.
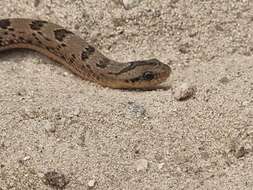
x=66, y=48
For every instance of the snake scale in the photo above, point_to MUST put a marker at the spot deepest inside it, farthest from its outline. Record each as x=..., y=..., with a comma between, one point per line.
x=66, y=48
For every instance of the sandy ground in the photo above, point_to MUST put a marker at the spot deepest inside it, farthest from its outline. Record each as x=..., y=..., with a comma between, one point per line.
x=57, y=131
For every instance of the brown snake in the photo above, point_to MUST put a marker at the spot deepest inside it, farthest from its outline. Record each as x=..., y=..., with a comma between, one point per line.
x=76, y=54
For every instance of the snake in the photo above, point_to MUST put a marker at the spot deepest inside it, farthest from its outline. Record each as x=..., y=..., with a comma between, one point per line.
x=84, y=60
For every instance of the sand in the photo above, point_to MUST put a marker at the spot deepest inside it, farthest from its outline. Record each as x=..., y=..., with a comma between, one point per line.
x=60, y=132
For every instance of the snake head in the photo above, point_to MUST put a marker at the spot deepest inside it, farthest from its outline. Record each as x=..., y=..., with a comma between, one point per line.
x=146, y=74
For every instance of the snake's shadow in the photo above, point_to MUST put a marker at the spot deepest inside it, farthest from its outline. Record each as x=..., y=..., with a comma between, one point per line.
x=17, y=54
x=161, y=87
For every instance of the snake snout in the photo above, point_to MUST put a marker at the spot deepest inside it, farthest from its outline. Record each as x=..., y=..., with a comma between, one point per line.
x=166, y=70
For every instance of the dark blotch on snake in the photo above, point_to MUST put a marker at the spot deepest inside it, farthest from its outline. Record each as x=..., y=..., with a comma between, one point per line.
x=5, y=23
x=36, y=38
x=73, y=55
x=102, y=63
x=37, y=24
x=21, y=38
x=88, y=66
x=60, y=34
x=11, y=41
x=87, y=52
x=11, y=29
x=72, y=59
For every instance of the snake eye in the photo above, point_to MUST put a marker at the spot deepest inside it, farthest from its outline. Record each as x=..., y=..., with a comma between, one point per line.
x=148, y=75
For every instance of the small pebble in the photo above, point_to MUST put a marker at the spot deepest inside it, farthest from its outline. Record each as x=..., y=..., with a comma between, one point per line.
x=22, y=92
x=184, y=92
x=240, y=152
x=141, y=165
x=26, y=158
x=184, y=48
x=76, y=26
x=219, y=27
x=65, y=74
x=245, y=103
x=55, y=180
x=75, y=111
x=160, y=166
x=224, y=80
x=128, y=4
x=92, y=183
x=136, y=109
x=49, y=127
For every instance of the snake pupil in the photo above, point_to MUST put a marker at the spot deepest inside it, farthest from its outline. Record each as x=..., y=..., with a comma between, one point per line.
x=148, y=75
